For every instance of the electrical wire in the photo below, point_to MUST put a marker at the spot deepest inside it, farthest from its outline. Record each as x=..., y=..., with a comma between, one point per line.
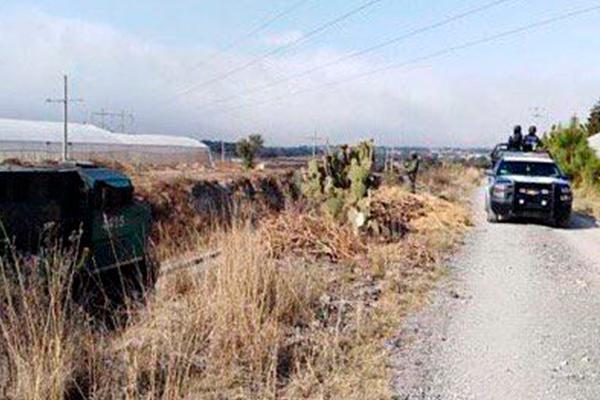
x=433, y=55
x=253, y=32
x=280, y=49
x=262, y=26
x=371, y=49
x=266, y=24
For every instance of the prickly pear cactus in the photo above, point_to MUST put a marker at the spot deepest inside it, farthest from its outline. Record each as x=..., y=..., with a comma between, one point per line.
x=341, y=183
x=359, y=177
x=335, y=203
x=312, y=187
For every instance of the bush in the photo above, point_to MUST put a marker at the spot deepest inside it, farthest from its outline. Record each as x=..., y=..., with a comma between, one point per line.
x=569, y=146
x=248, y=148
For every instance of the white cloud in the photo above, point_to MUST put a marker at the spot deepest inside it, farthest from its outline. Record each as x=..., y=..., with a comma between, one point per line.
x=114, y=70
x=282, y=38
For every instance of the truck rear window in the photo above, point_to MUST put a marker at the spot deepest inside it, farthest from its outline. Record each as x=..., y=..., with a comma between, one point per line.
x=112, y=197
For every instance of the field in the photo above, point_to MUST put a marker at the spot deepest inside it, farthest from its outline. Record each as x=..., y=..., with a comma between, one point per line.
x=291, y=304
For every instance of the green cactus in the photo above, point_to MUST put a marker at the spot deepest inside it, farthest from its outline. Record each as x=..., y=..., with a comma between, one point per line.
x=335, y=203
x=312, y=187
x=359, y=181
x=341, y=183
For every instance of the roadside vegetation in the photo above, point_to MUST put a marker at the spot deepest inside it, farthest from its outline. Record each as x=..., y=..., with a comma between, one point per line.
x=247, y=149
x=298, y=301
x=570, y=147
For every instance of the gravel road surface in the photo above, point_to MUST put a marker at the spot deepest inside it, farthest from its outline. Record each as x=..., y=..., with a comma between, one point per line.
x=518, y=317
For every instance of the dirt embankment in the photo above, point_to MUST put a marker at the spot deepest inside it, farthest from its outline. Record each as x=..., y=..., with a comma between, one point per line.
x=186, y=209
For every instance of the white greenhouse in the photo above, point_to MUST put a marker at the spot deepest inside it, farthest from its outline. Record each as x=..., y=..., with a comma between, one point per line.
x=41, y=140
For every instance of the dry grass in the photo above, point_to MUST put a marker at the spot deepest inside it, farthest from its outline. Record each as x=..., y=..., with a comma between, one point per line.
x=226, y=332
x=452, y=182
x=43, y=332
x=266, y=319
x=587, y=201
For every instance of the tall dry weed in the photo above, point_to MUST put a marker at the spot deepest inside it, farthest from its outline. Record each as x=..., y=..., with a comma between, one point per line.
x=223, y=332
x=42, y=329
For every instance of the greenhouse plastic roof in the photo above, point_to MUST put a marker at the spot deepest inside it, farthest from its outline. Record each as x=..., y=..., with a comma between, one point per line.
x=12, y=130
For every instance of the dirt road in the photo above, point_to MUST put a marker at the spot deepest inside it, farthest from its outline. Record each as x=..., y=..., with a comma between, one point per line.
x=517, y=318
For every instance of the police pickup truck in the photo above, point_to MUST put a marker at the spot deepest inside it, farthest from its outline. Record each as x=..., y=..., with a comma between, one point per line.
x=529, y=185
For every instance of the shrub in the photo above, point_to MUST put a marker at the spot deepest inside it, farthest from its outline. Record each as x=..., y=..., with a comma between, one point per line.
x=248, y=148
x=569, y=146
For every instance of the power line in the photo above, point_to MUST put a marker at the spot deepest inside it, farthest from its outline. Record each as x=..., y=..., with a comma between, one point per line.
x=254, y=31
x=371, y=49
x=122, y=115
x=433, y=55
x=279, y=49
x=265, y=25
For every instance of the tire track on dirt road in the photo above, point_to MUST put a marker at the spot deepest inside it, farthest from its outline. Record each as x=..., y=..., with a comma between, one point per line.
x=517, y=318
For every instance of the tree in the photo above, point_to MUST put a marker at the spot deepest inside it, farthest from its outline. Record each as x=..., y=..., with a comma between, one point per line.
x=570, y=147
x=248, y=148
x=593, y=124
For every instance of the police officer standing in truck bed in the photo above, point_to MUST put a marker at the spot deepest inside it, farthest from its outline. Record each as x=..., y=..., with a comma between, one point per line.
x=515, y=142
x=531, y=142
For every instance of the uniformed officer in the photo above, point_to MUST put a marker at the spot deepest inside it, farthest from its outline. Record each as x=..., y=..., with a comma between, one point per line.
x=515, y=142
x=531, y=142
x=412, y=169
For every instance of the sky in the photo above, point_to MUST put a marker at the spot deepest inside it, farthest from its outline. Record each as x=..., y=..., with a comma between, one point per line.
x=203, y=68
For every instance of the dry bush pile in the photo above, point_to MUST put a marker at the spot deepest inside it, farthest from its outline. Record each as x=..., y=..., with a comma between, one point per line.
x=394, y=212
x=293, y=234
x=393, y=209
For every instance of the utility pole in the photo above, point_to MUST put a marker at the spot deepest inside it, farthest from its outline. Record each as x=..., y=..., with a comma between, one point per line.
x=65, y=101
x=222, y=151
x=122, y=115
x=102, y=114
x=315, y=139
